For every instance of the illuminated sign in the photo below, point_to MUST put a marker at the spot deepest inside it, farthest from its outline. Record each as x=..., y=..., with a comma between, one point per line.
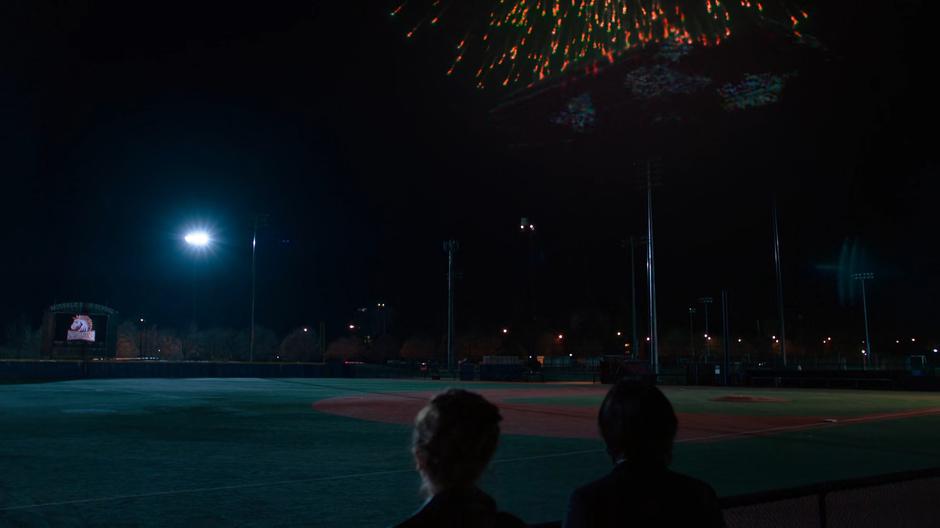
x=82, y=329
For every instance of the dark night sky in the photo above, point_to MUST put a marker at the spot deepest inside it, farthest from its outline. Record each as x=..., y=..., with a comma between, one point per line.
x=122, y=125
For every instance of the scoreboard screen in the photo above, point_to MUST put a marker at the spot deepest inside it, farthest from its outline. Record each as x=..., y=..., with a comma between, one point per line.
x=80, y=328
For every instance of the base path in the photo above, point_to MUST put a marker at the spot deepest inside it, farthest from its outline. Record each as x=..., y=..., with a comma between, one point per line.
x=578, y=421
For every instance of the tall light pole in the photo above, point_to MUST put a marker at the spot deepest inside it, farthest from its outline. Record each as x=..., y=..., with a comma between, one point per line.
x=251, y=332
x=777, y=267
x=450, y=247
x=259, y=219
x=198, y=240
x=862, y=277
x=633, y=343
x=692, y=333
x=140, y=339
x=651, y=270
x=726, y=337
x=708, y=346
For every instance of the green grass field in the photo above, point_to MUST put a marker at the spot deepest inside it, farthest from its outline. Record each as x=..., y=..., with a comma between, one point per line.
x=254, y=452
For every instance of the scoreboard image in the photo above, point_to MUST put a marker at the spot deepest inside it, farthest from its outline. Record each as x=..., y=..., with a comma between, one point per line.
x=78, y=331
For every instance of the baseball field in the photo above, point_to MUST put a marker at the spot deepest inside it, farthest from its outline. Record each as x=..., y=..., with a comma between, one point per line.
x=334, y=452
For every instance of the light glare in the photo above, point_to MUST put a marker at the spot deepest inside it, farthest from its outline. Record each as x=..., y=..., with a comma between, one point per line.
x=197, y=238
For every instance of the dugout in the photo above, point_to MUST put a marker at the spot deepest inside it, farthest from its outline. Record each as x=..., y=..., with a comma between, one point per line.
x=78, y=330
x=617, y=367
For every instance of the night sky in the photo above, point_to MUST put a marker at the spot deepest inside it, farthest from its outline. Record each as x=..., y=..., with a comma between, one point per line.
x=124, y=124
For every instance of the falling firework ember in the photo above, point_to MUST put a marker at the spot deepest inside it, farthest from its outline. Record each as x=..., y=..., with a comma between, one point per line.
x=525, y=41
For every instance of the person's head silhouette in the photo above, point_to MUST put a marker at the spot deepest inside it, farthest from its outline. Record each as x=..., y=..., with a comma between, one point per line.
x=637, y=423
x=454, y=438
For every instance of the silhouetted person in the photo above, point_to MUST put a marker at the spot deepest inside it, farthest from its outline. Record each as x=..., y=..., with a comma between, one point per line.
x=454, y=438
x=639, y=426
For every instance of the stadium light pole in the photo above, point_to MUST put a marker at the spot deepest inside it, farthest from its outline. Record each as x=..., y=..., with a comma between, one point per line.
x=450, y=246
x=862, y=277
x=725, y=338
x=708, y=346
x=140, y=338
x=198, y=240
x=634, y=343
x=651, y=271
x=251, y=334
x=779, y=272
x=258, y=221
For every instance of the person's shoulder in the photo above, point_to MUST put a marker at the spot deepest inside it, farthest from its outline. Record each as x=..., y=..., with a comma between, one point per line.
x=595, y=489
x=690, y=483
x=497, y=520
x=421, y=518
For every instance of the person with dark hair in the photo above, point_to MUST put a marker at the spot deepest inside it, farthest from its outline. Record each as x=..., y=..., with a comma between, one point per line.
x=455, y=436
x=639, y=426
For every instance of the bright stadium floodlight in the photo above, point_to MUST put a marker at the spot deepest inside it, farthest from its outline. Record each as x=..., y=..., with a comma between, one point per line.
x=199, y=239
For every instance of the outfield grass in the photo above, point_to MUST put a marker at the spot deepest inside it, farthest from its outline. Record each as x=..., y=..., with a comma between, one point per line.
x=253, y=452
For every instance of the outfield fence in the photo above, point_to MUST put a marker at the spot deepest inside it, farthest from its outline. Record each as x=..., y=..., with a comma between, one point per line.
x=905, y=499
x=708, y=374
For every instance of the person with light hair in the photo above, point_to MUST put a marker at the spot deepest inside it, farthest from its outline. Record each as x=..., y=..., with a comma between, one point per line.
x=455, y=436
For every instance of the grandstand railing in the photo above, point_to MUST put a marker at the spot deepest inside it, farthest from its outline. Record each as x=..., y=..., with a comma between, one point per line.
x=909, y=498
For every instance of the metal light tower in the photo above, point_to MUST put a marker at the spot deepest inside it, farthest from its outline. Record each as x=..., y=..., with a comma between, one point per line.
x=651, y=270
x=259, y=221
x=199, y=241
x=708, y=348
x=726, y=338
x=140, y=338
x=783, y=329
x=450, y=247
x=633, y=343
x=692, y=333
x=251, y=337
x=862, y=277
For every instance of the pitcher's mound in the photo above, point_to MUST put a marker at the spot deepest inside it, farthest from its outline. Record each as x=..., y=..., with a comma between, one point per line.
x=742, y=398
